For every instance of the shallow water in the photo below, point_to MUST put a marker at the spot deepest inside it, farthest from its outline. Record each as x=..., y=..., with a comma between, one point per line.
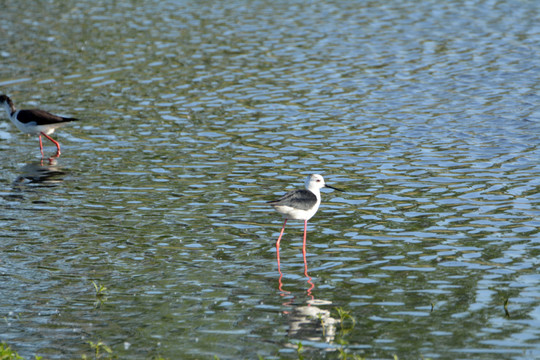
x=196, y=114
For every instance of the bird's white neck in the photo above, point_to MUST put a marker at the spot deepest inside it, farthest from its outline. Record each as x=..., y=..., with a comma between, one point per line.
x=9, y=109
x=316, y=191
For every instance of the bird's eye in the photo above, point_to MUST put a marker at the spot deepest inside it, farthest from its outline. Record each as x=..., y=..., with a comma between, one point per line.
x=318, y=180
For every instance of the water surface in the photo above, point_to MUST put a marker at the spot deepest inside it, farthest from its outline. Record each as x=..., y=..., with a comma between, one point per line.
x=196, y=114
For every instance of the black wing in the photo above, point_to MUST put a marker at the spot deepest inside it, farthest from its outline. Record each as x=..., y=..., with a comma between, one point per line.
x=298, y=199
x=41, y=117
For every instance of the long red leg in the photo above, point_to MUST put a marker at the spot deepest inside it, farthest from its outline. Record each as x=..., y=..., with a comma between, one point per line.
x=40, y=146
x=277, y=246
x=280, y=287
x=55, y=143
x=304, y=244
x=312, y=285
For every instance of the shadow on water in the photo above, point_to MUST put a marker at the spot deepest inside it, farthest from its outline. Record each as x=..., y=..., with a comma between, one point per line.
x=38, y=174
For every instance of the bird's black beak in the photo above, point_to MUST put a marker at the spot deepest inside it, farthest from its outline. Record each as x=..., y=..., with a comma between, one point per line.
x=331, y=187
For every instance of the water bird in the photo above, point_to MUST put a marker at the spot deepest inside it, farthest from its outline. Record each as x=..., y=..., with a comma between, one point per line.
x=300, y=204
x=35, y=121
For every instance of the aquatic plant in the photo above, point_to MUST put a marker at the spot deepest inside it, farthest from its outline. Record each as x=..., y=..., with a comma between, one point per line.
x=299, y=350
x=7, y=354
x=101, y=294
x=101, y=290
x=97, y=350
x=506, y=308
x=346, y=321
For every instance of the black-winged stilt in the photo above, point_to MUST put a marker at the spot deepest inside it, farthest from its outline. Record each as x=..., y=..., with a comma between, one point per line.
x=35, y=121
x=300, y=205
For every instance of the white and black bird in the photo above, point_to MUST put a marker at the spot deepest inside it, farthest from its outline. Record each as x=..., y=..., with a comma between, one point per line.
x=35, y=121
x=301, y=204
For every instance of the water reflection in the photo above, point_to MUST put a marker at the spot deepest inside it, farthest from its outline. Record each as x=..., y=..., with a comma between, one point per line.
x=311, y=323
x=309, y=280
x=37, y=173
